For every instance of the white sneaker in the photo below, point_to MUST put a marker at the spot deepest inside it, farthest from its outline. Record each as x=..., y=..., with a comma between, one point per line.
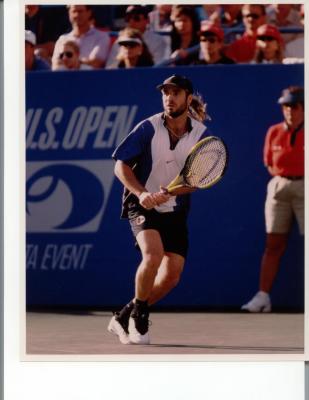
x=259, y=303
x=117, y=329
x=135, y=336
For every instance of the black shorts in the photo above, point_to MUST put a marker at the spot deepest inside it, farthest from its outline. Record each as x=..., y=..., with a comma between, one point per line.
x=172, y=227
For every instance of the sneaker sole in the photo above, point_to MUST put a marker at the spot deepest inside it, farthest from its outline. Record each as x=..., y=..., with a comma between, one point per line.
x=261, y=310
x=139, y=340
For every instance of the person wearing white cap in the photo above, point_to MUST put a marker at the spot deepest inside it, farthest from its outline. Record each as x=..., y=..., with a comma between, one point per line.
x=133, y=51
x=32, y=62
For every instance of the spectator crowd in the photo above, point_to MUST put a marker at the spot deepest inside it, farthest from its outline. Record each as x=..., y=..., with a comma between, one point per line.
x=90, y=37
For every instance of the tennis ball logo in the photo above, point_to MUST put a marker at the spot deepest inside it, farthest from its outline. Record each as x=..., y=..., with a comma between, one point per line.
x=67, y=196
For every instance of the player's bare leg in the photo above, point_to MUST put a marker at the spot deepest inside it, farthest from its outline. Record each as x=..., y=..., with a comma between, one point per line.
x=167, y=277
x=275, y=246
x=151, y=246
x=152, y=250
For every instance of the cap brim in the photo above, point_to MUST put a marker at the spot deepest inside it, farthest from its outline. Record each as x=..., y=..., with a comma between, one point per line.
x=290, y=99
x=160, y=87
x=129, y=40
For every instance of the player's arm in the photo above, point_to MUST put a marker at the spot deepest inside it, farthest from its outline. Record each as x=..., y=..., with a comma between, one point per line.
x=267, y=151
x=93, y=62
x=270, y=169
x=127, y=177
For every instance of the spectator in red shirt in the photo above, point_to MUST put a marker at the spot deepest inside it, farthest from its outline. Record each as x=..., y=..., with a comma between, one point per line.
x=284, y=159
x=243, y=49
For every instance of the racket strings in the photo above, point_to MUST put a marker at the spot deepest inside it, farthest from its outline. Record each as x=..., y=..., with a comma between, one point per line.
x=206, y=164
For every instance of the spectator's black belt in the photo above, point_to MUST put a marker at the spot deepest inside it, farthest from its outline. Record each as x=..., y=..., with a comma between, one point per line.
x=293, y=178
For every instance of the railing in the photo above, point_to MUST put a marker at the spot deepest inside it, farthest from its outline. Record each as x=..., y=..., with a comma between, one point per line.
x=228, y=31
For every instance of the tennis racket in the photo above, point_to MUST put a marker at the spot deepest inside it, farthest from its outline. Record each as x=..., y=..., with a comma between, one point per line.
x=204, y=166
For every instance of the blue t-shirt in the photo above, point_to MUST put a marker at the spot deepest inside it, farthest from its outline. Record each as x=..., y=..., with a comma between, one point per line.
x=147, y=149
x=40, y=65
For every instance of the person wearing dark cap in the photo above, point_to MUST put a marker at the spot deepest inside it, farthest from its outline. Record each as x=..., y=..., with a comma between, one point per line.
x=146, y=161
x=284, y=159
x=136, y=17
x=211, y=43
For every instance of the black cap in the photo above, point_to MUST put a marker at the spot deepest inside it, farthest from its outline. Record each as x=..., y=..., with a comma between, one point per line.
x=137, y=9
x=177, y=80
x=292, y=96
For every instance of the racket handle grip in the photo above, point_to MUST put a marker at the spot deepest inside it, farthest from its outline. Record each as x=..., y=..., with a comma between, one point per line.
x=164, y=190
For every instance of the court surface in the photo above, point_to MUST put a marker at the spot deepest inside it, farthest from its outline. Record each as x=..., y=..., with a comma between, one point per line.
x=85, y=333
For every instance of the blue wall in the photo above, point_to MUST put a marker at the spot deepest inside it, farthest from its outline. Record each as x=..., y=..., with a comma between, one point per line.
x=78, y=250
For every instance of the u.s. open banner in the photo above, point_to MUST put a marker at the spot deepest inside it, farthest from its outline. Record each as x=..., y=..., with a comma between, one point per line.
x=78, y=250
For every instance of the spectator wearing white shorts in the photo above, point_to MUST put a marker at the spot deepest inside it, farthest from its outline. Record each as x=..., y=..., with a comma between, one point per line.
x=284, y=159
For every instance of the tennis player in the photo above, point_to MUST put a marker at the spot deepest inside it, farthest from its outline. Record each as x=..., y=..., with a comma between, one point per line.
x=147, y=160
x=284, y=158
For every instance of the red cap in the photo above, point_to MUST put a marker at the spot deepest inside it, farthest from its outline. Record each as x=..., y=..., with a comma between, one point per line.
x=269, y=30
x=207, y=26
x=302, y=10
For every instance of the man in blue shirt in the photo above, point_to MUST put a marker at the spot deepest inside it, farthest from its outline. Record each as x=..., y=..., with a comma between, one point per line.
x=147, y=160
x=32, y=62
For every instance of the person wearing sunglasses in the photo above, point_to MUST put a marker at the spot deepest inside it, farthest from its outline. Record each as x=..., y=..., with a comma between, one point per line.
x=133, y=52
x=94, y=44
x=136, y=17
x=211, y=43
x=269, y=45
x=242, y=50
x=68, y=58
x=284, y=159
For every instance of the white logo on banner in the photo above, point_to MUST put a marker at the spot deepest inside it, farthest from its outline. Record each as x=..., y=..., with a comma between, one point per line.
x=67, y=196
